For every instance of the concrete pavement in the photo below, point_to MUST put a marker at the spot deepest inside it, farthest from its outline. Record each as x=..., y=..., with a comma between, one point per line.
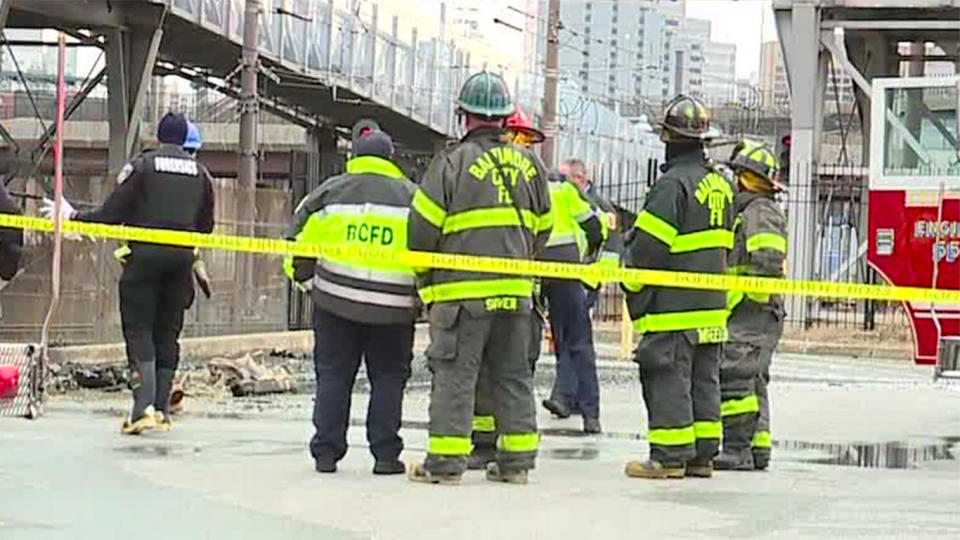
x=240, y=469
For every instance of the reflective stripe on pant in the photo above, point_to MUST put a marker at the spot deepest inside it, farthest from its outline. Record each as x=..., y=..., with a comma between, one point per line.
x=576, y=384
x=460, y=343
x=339, y=346
x=484, y=435
x=681, y=389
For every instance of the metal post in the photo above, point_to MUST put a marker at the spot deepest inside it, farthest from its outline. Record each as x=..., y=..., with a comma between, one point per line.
x=249, y=109
x=551, y=82
x=57, y=204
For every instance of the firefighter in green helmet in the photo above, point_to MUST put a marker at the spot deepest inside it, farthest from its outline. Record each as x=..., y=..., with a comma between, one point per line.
x=488, y=197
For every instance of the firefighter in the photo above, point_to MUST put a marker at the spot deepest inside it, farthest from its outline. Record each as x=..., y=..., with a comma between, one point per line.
x=518, y=130
x=363, y=309
x=577, y=235
x=756, y=320
x=685, y=226
x=485, y=197
x=163, y=188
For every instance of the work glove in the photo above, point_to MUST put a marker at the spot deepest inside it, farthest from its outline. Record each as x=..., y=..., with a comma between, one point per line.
x=66, y=209
x=66, y=213
x=200, y=273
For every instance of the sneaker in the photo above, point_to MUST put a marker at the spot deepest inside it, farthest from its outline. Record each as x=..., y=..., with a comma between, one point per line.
x=506, y=476
x=653, y=470
x=394, y=466
x=146, y=422
x=417, y=473
x=163, y=421
x=699, y=469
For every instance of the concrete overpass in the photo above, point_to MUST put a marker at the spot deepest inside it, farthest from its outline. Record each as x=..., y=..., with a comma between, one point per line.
x=321, y=70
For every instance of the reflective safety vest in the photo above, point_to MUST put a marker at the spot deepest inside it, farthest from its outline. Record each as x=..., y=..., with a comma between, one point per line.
x=760, y=233
x=571, y=212
x=481, y=197
x=685, y=226
x=369, y=205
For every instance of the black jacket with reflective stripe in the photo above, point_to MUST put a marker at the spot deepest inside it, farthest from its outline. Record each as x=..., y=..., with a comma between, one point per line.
x=760, y=243
x=465, y=205
x=352, y=289
x=686, y=226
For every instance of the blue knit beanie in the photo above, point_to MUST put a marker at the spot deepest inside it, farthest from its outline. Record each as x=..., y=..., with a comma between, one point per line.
x=172, y=129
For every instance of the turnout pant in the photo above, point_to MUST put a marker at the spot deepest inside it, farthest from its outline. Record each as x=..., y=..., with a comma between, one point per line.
x=681, y=388
x=755, y=330
x=465, y=341
x=339, y=346
x=576, y=384
x=484, y=420
x=154, y=293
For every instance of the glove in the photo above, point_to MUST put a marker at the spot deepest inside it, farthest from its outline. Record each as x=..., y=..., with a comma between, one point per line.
x=66, y=213
x=66, y=209
x=203, y=280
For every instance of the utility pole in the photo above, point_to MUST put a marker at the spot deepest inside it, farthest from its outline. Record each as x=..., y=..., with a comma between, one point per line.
x=249, y=103
x=249, y=112
x=551, y=82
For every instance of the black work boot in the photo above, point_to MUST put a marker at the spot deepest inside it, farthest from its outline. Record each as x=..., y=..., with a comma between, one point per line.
x=389, y=466
x=730, y=459
x=325, y=465
x=558, y=408
x=480, y=458
x=699, y=468
x=591, y=426
x=761, y=458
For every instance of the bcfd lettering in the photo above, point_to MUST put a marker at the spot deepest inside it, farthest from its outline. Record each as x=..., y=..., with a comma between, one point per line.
x=174, y=165
x=371, y=234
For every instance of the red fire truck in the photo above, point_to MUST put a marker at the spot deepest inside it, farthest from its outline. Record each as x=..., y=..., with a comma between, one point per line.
x=914, y=212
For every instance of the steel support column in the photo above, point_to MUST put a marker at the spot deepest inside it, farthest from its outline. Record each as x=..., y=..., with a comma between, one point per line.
x=130, y=55
x=807, y=71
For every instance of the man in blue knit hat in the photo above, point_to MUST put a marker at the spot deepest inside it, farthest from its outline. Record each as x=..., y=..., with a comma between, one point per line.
x=165, y=188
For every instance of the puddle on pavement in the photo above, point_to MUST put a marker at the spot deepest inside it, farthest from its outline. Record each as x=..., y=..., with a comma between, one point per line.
x=158, y=450
x=576, y=454
x=889, y=455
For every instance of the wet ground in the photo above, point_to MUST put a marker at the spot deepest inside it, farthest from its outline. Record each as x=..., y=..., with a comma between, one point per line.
x=862, y=450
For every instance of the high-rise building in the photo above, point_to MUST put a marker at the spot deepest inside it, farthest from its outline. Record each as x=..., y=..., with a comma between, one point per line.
x=774, y=87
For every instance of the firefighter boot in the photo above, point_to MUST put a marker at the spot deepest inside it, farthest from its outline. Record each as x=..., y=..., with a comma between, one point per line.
x=699, y=468
x=653, y=470
x=506, y=476
x=417, y=473
x=481, y=457
x=761, y=458
x=736, y=454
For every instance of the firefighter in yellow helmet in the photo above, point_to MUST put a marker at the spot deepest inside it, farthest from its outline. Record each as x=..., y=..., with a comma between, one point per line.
x=756, y=320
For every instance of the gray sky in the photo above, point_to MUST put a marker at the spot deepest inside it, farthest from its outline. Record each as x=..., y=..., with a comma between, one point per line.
x=738, y=22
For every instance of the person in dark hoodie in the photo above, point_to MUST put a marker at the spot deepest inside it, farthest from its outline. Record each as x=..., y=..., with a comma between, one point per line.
x=165, y=188
x=363, y=309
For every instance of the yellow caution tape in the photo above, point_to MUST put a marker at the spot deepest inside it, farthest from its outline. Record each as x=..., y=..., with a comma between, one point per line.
x=417, y=259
